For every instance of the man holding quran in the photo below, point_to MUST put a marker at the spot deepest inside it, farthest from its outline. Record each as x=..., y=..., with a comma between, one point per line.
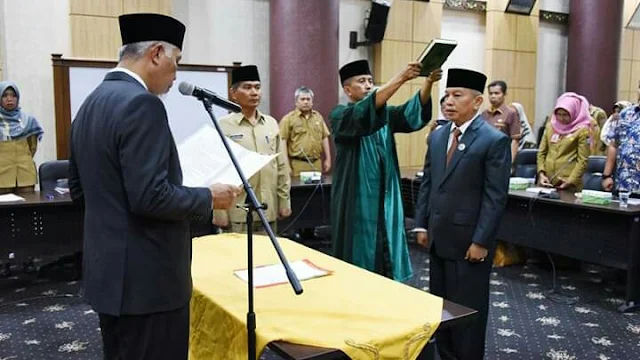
x=368, y=220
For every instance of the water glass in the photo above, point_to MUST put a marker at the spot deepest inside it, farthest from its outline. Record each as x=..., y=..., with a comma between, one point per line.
x=623, y=195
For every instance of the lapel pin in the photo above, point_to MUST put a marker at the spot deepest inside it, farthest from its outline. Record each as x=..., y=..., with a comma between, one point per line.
x=461, y=147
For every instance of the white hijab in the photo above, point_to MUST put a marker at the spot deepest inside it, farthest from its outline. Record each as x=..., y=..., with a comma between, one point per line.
x=527, y=135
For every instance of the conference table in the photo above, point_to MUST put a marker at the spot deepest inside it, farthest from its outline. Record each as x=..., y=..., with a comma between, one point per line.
x=452, y=314
x=48, y=223
x=310, y=205
x=601, y=234
x=43, y=224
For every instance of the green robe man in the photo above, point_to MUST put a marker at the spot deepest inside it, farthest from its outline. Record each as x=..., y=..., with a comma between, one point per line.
x=367, y=218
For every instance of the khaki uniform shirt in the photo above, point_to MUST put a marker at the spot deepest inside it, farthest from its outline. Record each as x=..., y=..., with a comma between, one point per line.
x=304, y=136
x=564, y=156
x=17, y=168
x=504, y=119
x=272, y=183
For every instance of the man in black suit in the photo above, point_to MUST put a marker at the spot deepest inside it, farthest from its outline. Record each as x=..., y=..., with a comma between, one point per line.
x=124, y=166
x=462, y=197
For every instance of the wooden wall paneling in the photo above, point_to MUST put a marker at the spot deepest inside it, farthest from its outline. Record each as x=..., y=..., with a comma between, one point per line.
x=501, y=30
x=503, y=66
x=390, y=56
x=427, y=20
x=526, y=97
x=108, y=8
x=400, y=21
x=525, y=64
x=626, y=44
x=94, y=37
x=636, y=45
x=624, y=75
x=635, y=75
x=156, y=6
x=527, y=33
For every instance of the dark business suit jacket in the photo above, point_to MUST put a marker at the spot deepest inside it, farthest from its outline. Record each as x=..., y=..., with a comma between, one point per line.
x=124, y=165
x=463, y=202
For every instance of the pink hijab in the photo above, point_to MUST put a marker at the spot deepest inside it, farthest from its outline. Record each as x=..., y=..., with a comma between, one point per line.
x=578, y=107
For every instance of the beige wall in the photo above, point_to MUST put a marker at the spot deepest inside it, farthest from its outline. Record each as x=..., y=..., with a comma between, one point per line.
x=629, y=70
x=32, y=31
x=94, y=24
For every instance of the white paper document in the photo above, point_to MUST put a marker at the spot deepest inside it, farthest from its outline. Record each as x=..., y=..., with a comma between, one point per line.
x=205, y=160
x=270, y=275
x=10, y=198
x=540, y=190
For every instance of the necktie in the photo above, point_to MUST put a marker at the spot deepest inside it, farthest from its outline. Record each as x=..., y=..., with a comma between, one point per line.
x=454, y=144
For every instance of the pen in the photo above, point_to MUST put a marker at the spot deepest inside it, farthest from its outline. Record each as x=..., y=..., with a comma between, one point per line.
x=266, y=139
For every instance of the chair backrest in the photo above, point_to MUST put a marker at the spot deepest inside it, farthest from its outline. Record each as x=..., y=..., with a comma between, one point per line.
x=526, y=163
x=50, y=171
x=592, y=178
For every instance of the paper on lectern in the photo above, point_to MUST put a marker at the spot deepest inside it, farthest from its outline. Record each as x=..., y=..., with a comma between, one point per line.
x=205, y=161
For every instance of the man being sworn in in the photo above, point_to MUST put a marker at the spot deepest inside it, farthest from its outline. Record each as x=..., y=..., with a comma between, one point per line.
x=367, y=218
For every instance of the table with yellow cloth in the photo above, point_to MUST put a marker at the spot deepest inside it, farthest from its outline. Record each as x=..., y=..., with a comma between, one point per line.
x=361, y=313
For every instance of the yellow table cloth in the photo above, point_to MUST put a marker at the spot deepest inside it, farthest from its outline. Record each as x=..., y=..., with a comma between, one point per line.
x=361, y=313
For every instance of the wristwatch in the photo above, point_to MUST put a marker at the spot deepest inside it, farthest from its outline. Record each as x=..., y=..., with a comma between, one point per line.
x=604, y=177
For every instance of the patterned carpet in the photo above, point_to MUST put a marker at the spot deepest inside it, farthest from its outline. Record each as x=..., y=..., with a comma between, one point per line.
x=44, y=319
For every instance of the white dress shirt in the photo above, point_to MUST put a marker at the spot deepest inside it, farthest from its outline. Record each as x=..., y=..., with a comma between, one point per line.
x=463, y=128
x=132, y=74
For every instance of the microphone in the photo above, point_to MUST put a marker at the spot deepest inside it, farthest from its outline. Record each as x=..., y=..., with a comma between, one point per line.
x=191, y=90
x=571, y=160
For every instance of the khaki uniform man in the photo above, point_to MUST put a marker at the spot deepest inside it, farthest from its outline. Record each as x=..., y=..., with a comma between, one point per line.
x=257, y=132
x=305, y=135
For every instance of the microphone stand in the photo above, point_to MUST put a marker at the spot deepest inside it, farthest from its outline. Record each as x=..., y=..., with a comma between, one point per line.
x=251, y=206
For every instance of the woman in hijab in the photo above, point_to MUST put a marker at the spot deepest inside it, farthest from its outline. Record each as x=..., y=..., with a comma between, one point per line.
x=19, y=136
x=527, y=138
x=606, y=134
x=565, y=146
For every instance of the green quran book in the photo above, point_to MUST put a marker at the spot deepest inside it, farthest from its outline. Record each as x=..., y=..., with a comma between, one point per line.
x=435, y=54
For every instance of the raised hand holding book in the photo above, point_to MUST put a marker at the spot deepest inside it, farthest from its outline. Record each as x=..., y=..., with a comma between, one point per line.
x=435, y=55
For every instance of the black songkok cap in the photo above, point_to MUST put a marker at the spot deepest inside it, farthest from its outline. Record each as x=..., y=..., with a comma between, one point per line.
x=355, y=68
x=244, y=73
x=151, y=27
x=468, y=79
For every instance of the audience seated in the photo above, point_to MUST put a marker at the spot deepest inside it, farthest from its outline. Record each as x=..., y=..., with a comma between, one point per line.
x=563, y=153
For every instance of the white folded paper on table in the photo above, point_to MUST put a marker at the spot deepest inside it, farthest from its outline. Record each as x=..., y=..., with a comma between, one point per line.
x=540, y=190
x=205, y=161
x=10, y=198
x=270, y=275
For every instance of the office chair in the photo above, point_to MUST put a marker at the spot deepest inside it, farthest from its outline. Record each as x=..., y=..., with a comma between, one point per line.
x=592, y=178
x=526, y=163
x=48, y=174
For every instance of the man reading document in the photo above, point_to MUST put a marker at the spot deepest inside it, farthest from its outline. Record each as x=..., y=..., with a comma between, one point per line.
x=124, y=166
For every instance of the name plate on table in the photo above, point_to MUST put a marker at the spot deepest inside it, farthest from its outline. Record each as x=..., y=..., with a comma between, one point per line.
x=271, y=275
